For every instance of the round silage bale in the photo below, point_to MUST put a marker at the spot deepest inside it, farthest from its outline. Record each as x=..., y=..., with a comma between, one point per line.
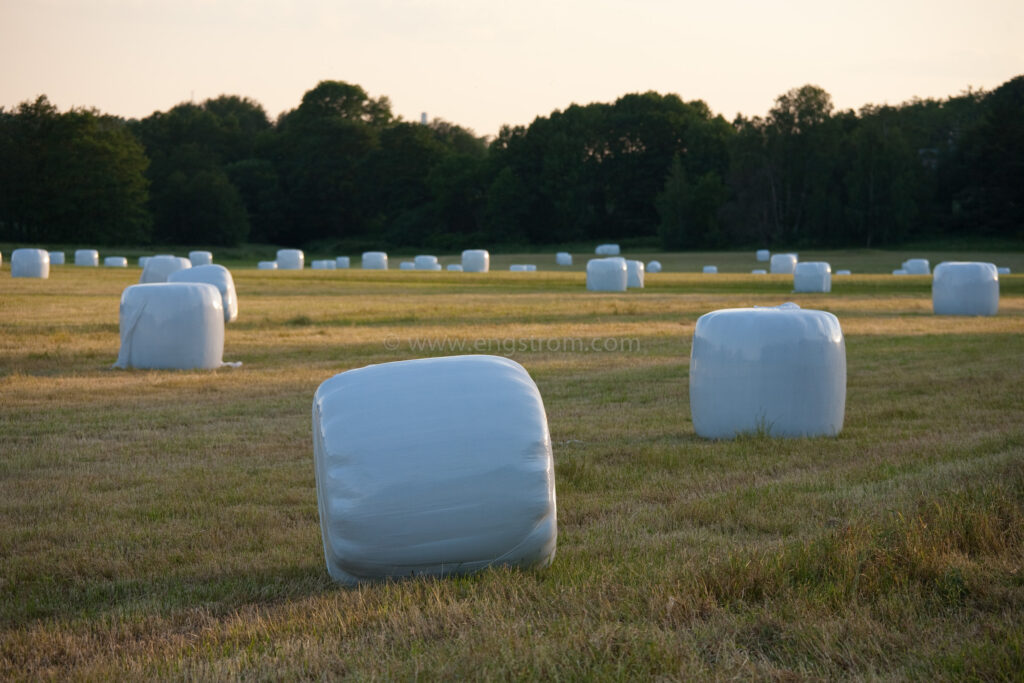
x=159, y=268
x=456, y=268
x=87, y=257
x=433, y=467
x=218, y=276
x=607, y=250
x=267, y=265
x=324, y=264
x=407, y=265
x=812, y=277
x=476, y=261
x=607, y=274
x=900, y=271
x=917, y=266
x=842, y=272
x=783, y=264
x=171, y=326
x=763, y=254
x=34, y=263
x=426, y=262
x=200, y=258
x=779, y=371
x=290, y=259
x=710, y=270
x=634, y=274
x=342, y=262
x=1003, y=270
x=654, y=267
x=375, y=260
x=115, y=262
x=563, y=258
x=759, y=271
x=56, y=258
x=965, y=288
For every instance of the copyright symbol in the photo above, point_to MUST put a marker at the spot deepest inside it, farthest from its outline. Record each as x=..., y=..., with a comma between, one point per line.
x=391, y=343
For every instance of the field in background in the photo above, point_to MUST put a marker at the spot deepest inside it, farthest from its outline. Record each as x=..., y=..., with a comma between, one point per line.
x=164, y=524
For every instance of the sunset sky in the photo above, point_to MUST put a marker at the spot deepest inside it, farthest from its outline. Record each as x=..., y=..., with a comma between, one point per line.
x=486, y=63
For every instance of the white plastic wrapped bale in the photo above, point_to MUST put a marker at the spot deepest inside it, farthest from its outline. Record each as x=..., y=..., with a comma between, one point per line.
x=218, y=276
x=159, y=268
x=290, y=259
x=759, y=271
x=456, y=268
x=607, y=250
x=33, y=263
x=87, y=257
x=634, y=274
x=607, y=274
x=531, y=268
x=267, y=265
x=782, y=264
x=56, y=258
x=780, y=371
x=425, y=262
x=407, y=265
x=115, y=262
x=917, y=266
x=900, y=271
x=1003, y=270
x=143, y=260
x=375, y=260
x=171, y=325
x=433, y=467
x=323, y=264
x=200, y=258
x=654, y=267
x=710, y=269
x=476, y=261
x=342, y=262
x=763, y=254
x=812, y=277
x=563, y=258
x=842, y=272
x=965, y=288
x=518, y=268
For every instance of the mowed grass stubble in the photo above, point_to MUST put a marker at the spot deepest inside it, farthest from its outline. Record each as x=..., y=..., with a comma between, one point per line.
x=164, y=524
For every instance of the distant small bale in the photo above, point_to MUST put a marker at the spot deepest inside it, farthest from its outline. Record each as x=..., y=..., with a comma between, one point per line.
x=375, y=260
x=783, y=264
x=763, y=254
x=607, y=274
x=290, y=259
x=812, y=277
x=654, y=267
x=607, y=250
x=267, y=265
x=87, y=257
x=965, y=288
x=200, y=258
x=115, y=262
x=476, y=261
x=563, y=258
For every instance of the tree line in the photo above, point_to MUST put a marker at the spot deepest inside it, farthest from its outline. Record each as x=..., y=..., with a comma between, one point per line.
x=342, y=169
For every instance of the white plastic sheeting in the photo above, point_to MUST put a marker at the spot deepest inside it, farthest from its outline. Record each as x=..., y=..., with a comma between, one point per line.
x=267, y=265
x=778, y=370
x=917, y=266
x=200, y=258
x=407, y=265
x=965, y=288
x=218, y=276
x=476, y=260
x=812, y=276
x=563, y=258
x=634, y=274
x=456, y=268
x=290, y=259
x=375, y=260
x=115, y=262
x=342, y=262
x=426, y=262
x=30, y=263
x=159, y=268
x=1003, y=270
x=433, y=467
x=171, y=325
x=607, y=250
x=56, y=258
x=783, y=264
x=607, y=274
x=763, y=254
x=87, y=257
x=324, y=264
x=710, y=269
x=654, y=267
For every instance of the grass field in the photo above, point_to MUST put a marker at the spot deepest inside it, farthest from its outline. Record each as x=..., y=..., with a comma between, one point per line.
x=164, y=524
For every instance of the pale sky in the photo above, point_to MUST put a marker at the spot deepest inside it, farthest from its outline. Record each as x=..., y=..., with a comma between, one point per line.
x=484, y=63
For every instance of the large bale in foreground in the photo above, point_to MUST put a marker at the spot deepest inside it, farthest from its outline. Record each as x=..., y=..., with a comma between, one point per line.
x=290, y=259
x=607, y=274
x=433, y=467
x=812, y=277
x=219, y=277
x=159, y=268
x=375, y=260
x=200, y=258
x=476, y=261
x=782, y=264
x=965, y=288
x=87, y=257
x=33, y=263
x=171, y=326
x=780, y=371
x=634, y=274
